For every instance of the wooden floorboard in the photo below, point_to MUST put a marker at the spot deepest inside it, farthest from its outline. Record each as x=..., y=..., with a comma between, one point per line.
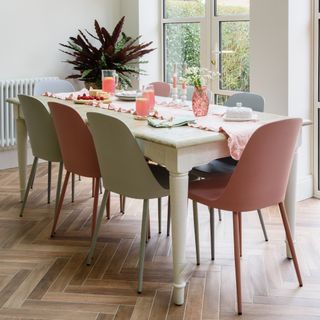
x=48, y=278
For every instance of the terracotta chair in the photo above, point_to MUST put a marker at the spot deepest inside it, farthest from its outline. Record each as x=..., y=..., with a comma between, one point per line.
x=147, y=181
x=259, y=180
x=161, y=89
x=43, y=140
x=78, y=152
x=227, y=165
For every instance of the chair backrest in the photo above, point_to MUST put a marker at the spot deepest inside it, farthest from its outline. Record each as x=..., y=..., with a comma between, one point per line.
x=53, y=86
x=251, y=100
x=77, y=148
x=42, y=134
x=261, y=176
x=161, y=89
x=123, y=167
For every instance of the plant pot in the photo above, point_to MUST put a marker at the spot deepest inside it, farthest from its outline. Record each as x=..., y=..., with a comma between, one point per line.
x=92, y=85
x=200, y=101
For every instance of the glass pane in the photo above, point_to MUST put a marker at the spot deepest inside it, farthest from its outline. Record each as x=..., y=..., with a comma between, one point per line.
x=234, y=62
x=220, y=99
x=184, y=8
x=182, y=45
x=229, y=7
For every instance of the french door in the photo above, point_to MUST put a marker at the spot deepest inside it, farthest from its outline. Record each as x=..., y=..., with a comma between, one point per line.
x=208, y=33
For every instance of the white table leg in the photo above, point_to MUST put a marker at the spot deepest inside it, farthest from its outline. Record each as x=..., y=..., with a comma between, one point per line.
x=21, y=131
x=291, y=199
x=179, y=210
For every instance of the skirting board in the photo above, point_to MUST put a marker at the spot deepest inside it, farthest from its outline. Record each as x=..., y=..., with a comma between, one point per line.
x=9, y=158
x=305, y=187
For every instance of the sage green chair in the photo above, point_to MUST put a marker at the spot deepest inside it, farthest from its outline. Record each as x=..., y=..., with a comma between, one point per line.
x=54, y=86
x=43, y=140
x=115, y=144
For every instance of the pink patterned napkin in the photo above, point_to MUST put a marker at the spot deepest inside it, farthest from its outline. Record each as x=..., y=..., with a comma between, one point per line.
x=238, y=133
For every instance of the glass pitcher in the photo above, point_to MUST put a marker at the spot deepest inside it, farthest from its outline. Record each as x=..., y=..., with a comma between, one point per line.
x=109, y=79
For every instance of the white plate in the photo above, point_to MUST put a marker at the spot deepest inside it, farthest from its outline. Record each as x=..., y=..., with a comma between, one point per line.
x=126, y=97
x=253, y=118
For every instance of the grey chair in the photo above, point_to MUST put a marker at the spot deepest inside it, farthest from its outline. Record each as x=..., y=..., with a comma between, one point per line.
x=250, y=100
x=227, y=165
x=43, y=140
x=146, y=181
x=53, y=86
x=161, y=89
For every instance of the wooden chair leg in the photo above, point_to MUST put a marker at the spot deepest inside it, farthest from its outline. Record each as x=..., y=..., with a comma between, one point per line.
x=290, y=241
x=57, y=213
x=159, y=214
x=73, y=181
x=100, y=185
x=30, y=182
x=211, y=211
x=58, y=185
x=262, y=225
x=108, y=207
x=106, y=195
x=240, y=232
x=95, y=205
x=236, y=239
x=196, y=230
x=149, y=226
x=168, y=218
x=92, y=188
x=123, y=203
x=143, y=243
x=49, y=180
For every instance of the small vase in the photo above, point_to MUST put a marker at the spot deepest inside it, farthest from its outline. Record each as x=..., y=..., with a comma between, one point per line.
x=200, y=101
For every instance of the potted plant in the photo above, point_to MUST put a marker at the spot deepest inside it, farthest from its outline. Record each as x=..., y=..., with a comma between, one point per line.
x=114, y=51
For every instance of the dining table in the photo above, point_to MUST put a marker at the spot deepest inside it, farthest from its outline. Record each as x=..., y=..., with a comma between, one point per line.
x=179, y=149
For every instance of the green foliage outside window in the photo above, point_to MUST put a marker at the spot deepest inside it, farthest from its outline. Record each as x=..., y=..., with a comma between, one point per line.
x=182, y=43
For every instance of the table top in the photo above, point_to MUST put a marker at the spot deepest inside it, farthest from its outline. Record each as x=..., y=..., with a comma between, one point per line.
x=176, y=137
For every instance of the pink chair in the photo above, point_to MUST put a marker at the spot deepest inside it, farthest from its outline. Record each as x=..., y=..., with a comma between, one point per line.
x=161, y=89
x=259, y=180
x=78, y=153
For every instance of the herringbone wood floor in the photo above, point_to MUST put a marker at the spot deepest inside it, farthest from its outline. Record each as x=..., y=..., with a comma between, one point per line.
x=45, y=278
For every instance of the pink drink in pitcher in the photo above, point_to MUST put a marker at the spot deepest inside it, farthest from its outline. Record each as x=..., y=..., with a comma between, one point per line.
x=108, y=84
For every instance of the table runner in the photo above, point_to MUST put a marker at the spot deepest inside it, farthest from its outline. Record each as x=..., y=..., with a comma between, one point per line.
x=237, y=133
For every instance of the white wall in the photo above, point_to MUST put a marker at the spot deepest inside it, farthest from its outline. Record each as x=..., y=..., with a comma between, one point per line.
x=281, y=68
x=143, y=18
x=30, y=32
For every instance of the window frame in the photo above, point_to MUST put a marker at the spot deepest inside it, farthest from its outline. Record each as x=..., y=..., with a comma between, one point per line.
x=316, y=96
x=209, y=39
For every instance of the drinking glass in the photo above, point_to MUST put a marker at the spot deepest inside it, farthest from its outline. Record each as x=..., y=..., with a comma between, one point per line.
x=148, y=93
x=142, y=105
x=109, y=79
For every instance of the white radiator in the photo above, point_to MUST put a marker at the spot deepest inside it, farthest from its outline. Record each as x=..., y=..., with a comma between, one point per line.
x=11, y=89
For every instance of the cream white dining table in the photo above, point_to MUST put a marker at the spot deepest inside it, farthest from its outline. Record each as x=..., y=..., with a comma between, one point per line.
x=179, y=150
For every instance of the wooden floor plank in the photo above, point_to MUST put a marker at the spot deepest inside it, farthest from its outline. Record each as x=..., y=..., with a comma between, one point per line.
x=47, y=278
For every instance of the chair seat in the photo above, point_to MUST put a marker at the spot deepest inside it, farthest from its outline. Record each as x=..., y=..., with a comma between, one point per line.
x=161, y=174
x=208, y=190
x=224, y=166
